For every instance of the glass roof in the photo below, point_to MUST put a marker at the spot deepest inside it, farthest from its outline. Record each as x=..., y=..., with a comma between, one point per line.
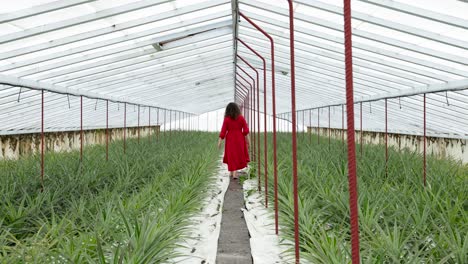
x=180, y=55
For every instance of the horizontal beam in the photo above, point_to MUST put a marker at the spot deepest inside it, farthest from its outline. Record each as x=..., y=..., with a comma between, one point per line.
x=14, y=81
x=433, y=88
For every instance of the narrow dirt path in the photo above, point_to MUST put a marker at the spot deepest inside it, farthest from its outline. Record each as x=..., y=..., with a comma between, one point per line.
x=233, y=243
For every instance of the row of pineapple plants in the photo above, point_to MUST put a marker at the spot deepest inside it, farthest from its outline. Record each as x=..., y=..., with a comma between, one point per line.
x=400, y=220
x=133, y=208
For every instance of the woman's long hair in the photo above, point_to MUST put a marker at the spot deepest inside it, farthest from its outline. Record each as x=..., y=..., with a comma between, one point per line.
x=232, y=111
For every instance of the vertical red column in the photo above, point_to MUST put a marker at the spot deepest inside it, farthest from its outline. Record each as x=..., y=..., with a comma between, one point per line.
x=107, y=130
x=149, y=124
x=352, y=173
x=386, y=138
x=294, y=139
x=342, y=123
x=310, y=125
x=81, y=128
x=360, y=119
x=138, y=126
x=125, y=128
x=329, y=126
x=303, y=124
x=42, y=140
x=318, y=125
x=424, y=144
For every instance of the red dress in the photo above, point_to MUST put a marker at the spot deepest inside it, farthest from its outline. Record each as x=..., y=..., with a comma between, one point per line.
x=236, y=154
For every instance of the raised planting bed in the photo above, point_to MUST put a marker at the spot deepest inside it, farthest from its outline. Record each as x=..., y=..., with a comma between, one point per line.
x=400, y=220
x=133, y=208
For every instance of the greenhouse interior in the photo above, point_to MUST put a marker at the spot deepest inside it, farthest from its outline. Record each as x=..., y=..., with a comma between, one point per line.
x=234, y=131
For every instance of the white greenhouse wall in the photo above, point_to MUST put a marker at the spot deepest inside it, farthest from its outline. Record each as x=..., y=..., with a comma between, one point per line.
x=440, y=147
x=15, y=146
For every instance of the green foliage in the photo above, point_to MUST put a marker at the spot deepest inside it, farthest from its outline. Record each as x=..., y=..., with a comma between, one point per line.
x=132, y=209
x=400, y=220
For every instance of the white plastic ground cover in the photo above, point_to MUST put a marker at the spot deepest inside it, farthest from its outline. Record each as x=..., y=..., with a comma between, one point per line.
x=266, y=246
x=202, y=247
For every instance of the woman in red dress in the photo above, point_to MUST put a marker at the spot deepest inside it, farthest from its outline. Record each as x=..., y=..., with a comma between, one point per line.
x=235, y=130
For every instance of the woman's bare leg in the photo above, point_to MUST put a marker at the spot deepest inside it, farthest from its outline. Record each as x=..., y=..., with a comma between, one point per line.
x=230, y=174
x=234, y=175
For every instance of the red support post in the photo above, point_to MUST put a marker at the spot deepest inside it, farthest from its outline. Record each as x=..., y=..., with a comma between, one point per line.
x=42, y=140
x=360, y=119
x=329, y=126
x=273, y=95
x=149, y=124
x=303, y=124
x=352, y=173
x=310, y=125
x=107, y=130
x=138, y=126
x=256, y=139
x=125, y=128
x=386, y=138
x=342, y=123
x=81, y=128
x=318, y=125
x=294, y=139
x=424, y=145
x=265, y=155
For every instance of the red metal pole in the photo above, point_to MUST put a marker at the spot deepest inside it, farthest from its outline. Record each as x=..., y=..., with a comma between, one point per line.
x=149, y=124
x=318, y=125
x=81, y=128
x=352, y=173
x=273, y=95
x=294, y=139
x=303, y=124
x=360, y=119
x=425, y=138
x=342, y=123
x=310, y=125
x=386, y=139
x=42, y=141
x=107, y=130
x=138, y=126
x=256, y=121
x=125, y=127
x=265, y=155
x=329, y=126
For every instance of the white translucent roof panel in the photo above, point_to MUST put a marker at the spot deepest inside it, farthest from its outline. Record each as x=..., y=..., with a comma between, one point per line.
x=154, y=53
x=397, y=50
x=179, y=55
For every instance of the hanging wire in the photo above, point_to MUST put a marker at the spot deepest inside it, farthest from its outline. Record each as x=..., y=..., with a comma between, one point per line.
x=19, y=94
x=446, y=97
x=399, y=101
x=95, y=106
x=370, y=107
x=68, y=99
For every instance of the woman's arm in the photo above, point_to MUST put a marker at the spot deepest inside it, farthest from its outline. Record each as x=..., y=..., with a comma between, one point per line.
x=220, y=141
